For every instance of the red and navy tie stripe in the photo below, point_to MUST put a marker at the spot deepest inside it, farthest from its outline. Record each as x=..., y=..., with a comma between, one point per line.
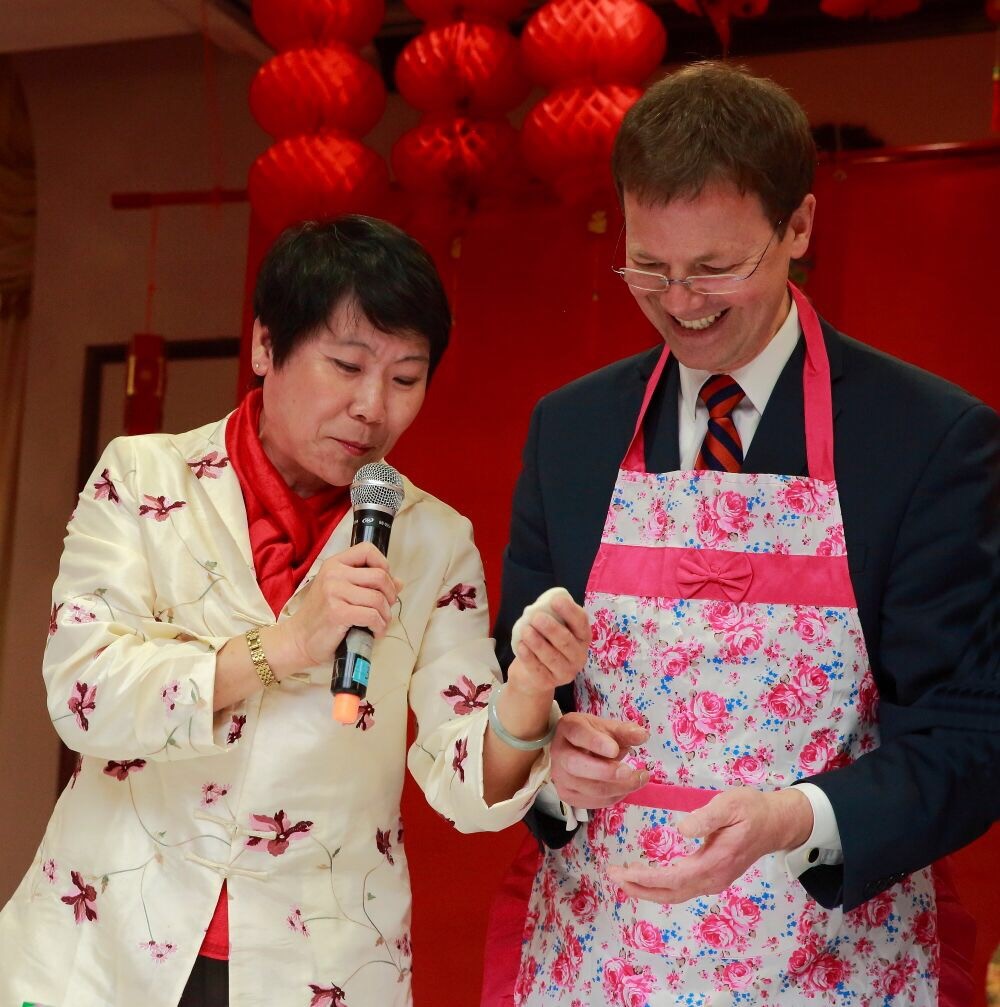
x=721, y=451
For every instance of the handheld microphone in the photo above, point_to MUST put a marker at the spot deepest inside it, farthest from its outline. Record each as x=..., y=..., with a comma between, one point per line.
x=376, y=495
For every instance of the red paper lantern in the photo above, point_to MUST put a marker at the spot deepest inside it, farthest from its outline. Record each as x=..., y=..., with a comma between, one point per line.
x=992, y=8
x=468, y=67
x=311, y=177
x=311, y=90
x=568, y=136
x=307, y=23
x=603, y=41
x=442, y=11
x=457, y=157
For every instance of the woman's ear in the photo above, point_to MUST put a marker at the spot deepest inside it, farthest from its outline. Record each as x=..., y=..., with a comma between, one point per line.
x=260, y=349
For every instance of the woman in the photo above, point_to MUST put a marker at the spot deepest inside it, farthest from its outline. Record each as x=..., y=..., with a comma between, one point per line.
x=222, y=839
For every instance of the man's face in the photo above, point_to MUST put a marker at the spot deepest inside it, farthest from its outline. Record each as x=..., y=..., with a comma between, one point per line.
x=720, y=231
x=340, y=400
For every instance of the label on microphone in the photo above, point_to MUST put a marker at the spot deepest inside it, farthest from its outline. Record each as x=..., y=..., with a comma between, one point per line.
x=360, y=671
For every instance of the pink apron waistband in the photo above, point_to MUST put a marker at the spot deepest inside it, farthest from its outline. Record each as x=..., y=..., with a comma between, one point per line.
x=670, y=797
x=718, y=575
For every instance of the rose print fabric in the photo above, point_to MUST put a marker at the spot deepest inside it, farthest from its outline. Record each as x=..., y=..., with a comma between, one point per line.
x=299, y=815
x=742, y=679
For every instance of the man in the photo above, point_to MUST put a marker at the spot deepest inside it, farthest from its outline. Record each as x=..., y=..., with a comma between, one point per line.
x=792, y=574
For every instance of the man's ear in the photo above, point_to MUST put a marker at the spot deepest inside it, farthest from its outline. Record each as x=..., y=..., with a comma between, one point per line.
x=800, y=225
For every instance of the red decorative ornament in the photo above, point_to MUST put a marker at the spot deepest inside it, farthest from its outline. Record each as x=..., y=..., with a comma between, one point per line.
x=311, y=90
x=881, y=9
x=603, y=41
x=458, y=158
x=466, y=74
x=145, y=383
x=992, y=8
x=567, y=137
x=465, y=67
x=317, y=176
x=295, y=24
x=444, y=11
x=720, y=11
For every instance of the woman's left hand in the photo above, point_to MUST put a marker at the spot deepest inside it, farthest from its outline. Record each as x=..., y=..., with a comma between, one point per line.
x=551, y=654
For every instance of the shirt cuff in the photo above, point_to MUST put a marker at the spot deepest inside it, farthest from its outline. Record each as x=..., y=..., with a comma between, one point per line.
x=823, y=847
x=547, y=801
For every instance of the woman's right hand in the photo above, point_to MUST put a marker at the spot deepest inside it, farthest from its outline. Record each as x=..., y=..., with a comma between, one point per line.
x=353, y=588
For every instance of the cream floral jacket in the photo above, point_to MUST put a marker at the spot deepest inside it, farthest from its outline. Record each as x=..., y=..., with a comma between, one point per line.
x=298, y=813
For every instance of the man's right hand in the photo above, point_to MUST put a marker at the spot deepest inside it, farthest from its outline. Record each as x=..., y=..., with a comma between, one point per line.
x=587, y=754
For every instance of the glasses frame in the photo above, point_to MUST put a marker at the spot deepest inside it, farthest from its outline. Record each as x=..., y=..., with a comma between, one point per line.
x=691, y=281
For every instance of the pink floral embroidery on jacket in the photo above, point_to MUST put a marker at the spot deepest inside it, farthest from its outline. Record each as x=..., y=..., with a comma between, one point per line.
x=209, y=465
x=81, y=702
x=296, y=923
x=458, y=760
x=383, y=843
x=82, y=900
x=236, y=728
x=158, y=952
x=211, y=793
x=466, y=696
x=284, y=831
x=462, y=596
x=120, y=770
x=157, y=507
x=327, y=996
x=105, y=489
x=366, y=716
x=169, y=694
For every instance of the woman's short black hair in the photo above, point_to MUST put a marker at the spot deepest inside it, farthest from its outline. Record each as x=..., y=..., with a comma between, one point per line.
x=315, y=265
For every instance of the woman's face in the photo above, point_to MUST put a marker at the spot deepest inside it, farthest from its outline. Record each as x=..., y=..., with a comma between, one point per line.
x=340, y=400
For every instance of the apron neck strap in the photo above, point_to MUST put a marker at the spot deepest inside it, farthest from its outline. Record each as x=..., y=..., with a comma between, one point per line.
x=635, y=457
x=816, y=392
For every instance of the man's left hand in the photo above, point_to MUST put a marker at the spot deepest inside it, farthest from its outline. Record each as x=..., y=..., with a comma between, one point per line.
x=738, y=828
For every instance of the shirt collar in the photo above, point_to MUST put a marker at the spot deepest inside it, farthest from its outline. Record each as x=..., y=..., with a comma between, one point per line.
x=758, y=378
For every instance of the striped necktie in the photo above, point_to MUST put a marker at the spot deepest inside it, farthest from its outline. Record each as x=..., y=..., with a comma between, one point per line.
x=721, y=450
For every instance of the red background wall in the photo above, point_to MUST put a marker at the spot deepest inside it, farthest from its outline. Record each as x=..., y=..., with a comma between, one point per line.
x=904, y=258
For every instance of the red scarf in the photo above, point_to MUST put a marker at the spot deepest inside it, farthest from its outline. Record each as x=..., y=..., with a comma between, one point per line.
x=287, y=533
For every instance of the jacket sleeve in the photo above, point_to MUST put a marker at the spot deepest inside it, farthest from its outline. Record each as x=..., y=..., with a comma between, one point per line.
x=527, y=572
x=933, y=785
x=122, y=683
x=449, y=691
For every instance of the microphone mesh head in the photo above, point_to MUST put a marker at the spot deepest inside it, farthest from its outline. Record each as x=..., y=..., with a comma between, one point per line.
x=377, y=485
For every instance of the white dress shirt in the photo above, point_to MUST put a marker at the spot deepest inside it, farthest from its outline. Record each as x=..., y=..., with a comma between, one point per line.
x=757, y=379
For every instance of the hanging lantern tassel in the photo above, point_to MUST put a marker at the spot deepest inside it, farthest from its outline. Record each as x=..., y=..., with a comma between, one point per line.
x=993, y=12
x=145, y=384
x=995, y=115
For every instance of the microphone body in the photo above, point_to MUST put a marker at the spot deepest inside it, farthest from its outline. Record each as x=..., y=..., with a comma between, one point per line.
x=376, y=493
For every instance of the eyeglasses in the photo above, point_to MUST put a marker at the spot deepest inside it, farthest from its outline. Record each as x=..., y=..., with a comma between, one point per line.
x=714, y=283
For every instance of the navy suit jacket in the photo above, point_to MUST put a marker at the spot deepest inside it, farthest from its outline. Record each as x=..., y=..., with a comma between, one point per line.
x=918, y=470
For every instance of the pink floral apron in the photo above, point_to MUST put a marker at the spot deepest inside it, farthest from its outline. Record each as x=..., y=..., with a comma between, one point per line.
x=725, y=622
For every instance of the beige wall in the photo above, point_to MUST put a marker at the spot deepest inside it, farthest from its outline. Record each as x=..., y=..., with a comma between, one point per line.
x=134, y=118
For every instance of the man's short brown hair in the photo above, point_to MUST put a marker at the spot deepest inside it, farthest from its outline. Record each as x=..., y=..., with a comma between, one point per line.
x=712, y=122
